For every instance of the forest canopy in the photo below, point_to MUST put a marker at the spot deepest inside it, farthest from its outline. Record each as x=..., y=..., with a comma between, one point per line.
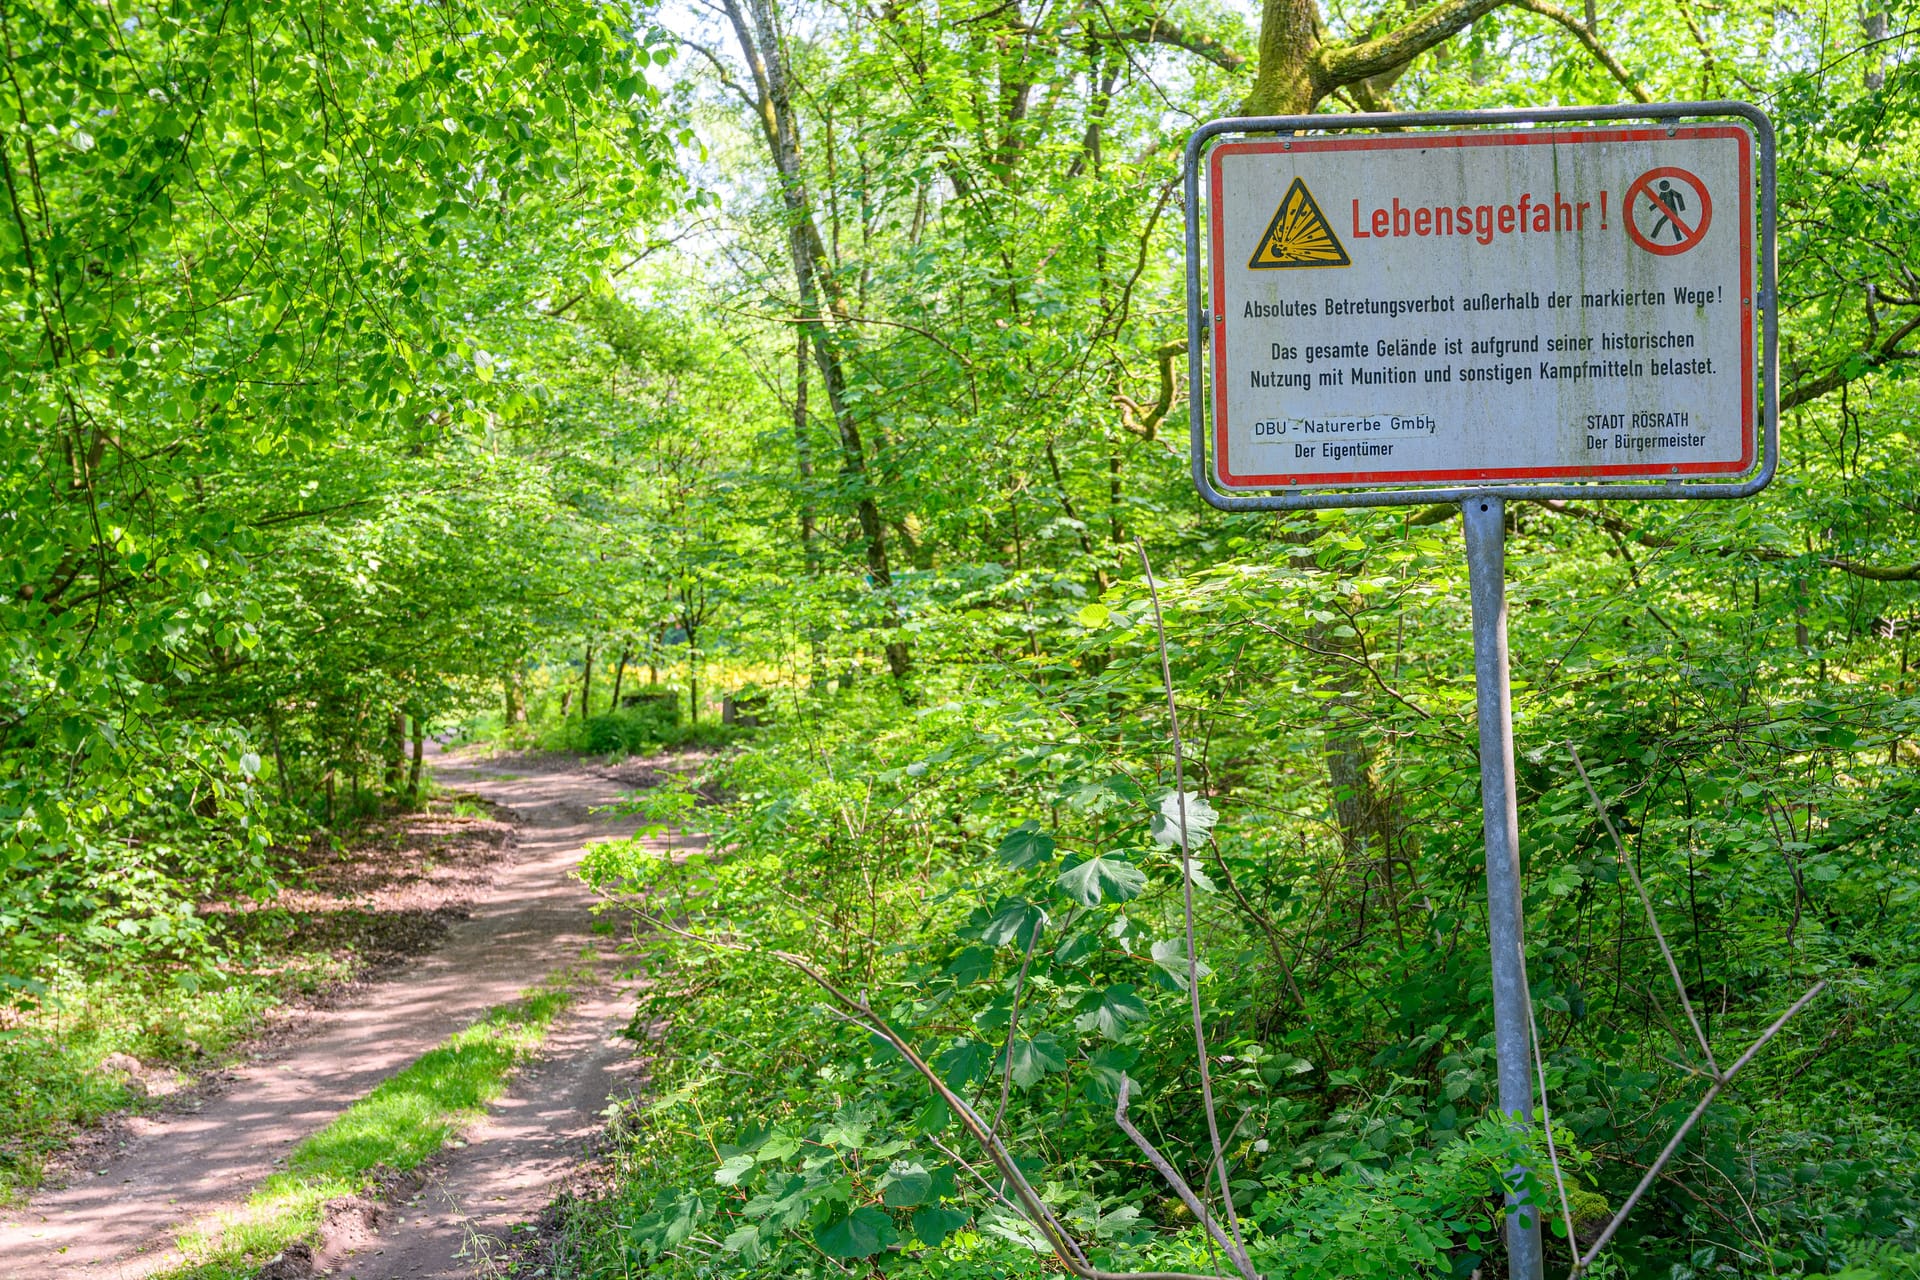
x=805, y=382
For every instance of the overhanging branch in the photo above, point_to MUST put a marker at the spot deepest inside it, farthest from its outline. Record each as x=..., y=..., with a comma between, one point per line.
x=1338, y=65
x=1584, y=34
x=1159, y=30
x=1853, y=367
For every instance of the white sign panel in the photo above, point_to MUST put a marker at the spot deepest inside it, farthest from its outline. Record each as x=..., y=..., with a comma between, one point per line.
x=1503, y=306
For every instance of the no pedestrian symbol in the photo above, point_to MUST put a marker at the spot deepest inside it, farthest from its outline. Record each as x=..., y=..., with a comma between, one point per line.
x=1668, y=210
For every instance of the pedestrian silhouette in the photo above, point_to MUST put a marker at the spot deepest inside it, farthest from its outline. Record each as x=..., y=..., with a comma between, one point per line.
x=1673, y=202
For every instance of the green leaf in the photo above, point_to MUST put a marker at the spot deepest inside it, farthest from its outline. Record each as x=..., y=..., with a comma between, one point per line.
x=970, y=966
x=849, y=1129
x=671, y=1220
x=1026, y=846
x=1098, y=879
x=778, y=1147
x=1093, y=616
x=906, y=1184
x=1170, y=956
x=933, y=1223
x=1013, y=921
x=860, y=1234
x=1200, y=817
x=732, y=1169
x=933, y=1117
x=746, y=1243
x=963, y=1064
x=1034, y=1058
x=1117, y=1007
x=1108, y=1065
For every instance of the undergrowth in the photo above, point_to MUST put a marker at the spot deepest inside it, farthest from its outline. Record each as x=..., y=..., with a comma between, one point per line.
x=1004, y=891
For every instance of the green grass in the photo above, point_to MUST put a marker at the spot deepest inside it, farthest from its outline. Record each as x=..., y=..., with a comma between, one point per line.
x=403, y=1121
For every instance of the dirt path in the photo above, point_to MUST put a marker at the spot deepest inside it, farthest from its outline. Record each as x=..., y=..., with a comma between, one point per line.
x=535, y=918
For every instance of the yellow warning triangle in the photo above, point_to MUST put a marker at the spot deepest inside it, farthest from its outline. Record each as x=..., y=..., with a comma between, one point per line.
x=1298, y=236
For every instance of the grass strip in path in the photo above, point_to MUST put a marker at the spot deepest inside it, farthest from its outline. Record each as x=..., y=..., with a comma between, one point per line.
x=403, y=1121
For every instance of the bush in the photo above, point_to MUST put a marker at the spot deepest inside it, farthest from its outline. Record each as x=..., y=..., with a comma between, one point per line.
x=649, y=726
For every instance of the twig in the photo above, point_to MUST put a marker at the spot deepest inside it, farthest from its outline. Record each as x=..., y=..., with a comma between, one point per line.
x=1673, y=966
x=1186, y=890
x=1179, y=1184
x=1673, y=1144
x=1035, y=1209
x=1013, y=1022
x=1546, y=1116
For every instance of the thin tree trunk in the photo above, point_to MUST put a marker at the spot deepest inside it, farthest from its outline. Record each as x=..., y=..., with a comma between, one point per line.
x=394, y=750
x=693, y=679
x=419, y=759
x=620, y=675
x=586, y=685
x=279, y=760
x=803, y=461
x=516, y=706
x=819, y=293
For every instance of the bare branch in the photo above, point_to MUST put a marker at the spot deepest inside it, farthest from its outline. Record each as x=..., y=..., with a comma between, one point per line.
x=1673, y=1144
x=1853, y=367
x=725, y=72
x=1013, y=1023
x=1179, y=1184
x=1673, y=966
x=1238, y=1253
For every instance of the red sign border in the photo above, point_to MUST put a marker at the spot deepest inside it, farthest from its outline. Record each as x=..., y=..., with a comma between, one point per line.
x=1216, y=234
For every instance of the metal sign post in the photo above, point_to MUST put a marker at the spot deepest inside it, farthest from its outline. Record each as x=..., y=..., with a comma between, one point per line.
x=1486, y=523
x=1419, y=308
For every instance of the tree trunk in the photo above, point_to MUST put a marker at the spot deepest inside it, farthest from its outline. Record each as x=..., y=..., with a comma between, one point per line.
x=394, y=749
x=1873, y=26
x=1299, y=67
x=516, y=707
x=586, y=685
x=803, y=462
x=693, y=678
x=1289, y=33
x=279, y=760
x=819, y=293
x=419, y=758
x=620, y=675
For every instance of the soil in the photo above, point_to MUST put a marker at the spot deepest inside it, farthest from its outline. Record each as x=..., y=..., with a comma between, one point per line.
x=502, y=924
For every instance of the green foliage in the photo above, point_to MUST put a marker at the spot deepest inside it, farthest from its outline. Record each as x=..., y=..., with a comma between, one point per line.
x=270, y=276
x=370, y=366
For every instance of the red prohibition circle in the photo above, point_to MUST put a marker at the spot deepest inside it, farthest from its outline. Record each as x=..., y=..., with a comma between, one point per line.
x=1691, y=235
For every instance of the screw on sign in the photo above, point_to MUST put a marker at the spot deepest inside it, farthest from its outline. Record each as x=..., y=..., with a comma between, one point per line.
x=1668, y=210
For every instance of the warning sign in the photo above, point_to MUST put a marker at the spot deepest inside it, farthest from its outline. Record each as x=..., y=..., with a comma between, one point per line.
x=1668, y=202
x=1516, y=305
x=1298, y=236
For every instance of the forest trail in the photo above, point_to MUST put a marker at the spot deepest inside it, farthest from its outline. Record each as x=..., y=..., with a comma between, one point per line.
x=535, y=918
